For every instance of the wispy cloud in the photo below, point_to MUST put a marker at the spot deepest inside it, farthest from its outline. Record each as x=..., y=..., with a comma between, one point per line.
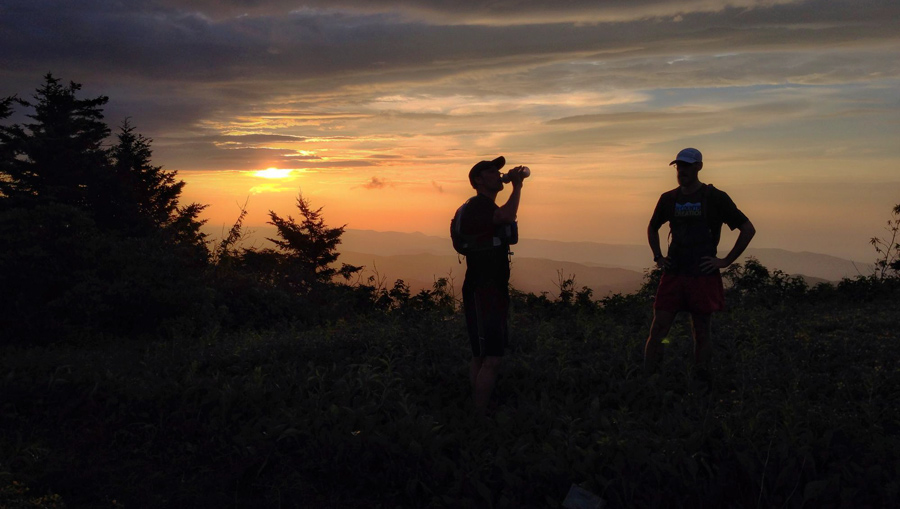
x=375, y=183
x=583, y=91
x=476, y=12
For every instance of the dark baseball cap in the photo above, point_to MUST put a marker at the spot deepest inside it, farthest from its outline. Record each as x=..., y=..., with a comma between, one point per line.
x=481, y=166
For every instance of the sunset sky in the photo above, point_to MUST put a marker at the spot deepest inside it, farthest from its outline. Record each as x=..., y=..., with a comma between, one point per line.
x=376, y=109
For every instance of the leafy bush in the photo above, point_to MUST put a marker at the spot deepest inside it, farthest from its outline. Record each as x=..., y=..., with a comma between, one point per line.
x=66, y=279
x=376, y=411
x=94, y=239
x=888, y=249
x=752, y=283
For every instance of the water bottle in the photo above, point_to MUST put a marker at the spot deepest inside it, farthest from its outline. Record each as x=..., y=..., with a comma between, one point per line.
x=505, y=178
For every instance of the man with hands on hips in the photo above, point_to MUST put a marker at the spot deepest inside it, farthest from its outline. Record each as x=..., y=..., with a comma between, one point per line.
x=691, y=280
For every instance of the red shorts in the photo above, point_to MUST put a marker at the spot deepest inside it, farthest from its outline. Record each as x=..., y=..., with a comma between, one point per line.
x=696, y=294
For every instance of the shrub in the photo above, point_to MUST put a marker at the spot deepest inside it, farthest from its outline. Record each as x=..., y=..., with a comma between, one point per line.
x=888, y=248
x=752, y=283
x=64, y=278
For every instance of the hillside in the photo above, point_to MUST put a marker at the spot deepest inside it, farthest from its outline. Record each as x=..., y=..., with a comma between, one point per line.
x=804, y=412
x=626, y=256
x=419, y=259
x=534, y=275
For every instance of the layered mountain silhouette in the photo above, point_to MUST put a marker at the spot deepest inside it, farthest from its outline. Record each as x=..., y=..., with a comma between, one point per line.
x=538, y=265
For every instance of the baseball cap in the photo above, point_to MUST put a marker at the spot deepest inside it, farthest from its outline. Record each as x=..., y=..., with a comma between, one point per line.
x=481, y=166
x=688, y=155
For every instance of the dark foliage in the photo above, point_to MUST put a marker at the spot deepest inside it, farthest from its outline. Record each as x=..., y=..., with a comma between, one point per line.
x=300, y=283
x=293, y=284
x=59, y=157
x=752, y=283
x=308, y=249
x=94, y=241
x=68, y=280
x=375, y=412
x=888, y=248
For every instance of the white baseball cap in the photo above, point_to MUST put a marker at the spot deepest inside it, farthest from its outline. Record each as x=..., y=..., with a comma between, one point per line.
x=688, y=155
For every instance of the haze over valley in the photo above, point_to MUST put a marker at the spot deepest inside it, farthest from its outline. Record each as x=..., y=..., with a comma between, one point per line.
x=537, y=265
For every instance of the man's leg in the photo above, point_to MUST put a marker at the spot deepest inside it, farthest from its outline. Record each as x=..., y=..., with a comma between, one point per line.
x=659, y=329
x=702, y=328
x=474, y=328
x=474, y=368
x=485, y=379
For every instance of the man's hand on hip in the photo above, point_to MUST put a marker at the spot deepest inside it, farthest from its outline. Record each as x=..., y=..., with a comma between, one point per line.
x=710, y=264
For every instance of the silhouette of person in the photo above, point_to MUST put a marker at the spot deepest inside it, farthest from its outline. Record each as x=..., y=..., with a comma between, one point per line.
x=691, y=280
x=486, y=285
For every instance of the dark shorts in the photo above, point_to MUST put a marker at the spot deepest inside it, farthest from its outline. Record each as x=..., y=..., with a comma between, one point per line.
x=696, y=294
x=486, y=311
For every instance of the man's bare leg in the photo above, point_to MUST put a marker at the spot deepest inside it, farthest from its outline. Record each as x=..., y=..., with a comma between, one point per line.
x=474, y=368
x=659, y=329
x=484, y=381
x=701, y=323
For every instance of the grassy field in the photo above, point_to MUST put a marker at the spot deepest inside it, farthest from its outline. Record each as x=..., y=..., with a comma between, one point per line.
x=376, y=412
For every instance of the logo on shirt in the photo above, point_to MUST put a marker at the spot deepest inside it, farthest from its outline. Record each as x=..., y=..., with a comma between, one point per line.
x=688, y=210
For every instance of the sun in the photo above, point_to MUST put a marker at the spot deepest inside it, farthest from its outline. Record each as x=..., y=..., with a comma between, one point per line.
x=273, y=173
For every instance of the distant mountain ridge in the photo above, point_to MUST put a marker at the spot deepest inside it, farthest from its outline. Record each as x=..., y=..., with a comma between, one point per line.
x=420, y=259
x=594, y=254
x=534, y=275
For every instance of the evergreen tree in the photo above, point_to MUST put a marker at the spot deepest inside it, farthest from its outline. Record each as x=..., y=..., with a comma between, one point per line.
x=5, y=109
x=7, y=155
x=94, y=239
x=309, y=248
x=151, y=191
x=59, y=157
x=148, y=196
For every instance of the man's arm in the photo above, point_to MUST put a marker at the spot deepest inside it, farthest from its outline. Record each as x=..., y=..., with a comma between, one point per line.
x=653, y=239
x=711, y=263
x=658, y=219
x=507, y=212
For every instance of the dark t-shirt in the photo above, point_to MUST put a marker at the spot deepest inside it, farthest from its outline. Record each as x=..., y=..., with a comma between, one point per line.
x=695, y=222
x=491, y=266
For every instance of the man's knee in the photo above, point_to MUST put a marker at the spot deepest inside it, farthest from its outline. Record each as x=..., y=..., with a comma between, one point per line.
x=491, y=363
x=662, y=322
x=701, y=323
x=658, y=330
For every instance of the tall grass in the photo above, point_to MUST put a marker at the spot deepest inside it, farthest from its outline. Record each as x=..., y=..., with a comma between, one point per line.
x=376, y=412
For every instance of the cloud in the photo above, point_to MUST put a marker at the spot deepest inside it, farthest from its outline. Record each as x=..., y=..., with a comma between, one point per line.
x=757, y=111
x=480, y=12
x=375, y=183
x=218, y=153
x=261, y=138
x=596, y=97
x=351, y=83
x=199, y=44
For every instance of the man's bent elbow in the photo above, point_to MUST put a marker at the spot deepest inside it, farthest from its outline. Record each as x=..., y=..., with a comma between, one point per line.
x=748, y=229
